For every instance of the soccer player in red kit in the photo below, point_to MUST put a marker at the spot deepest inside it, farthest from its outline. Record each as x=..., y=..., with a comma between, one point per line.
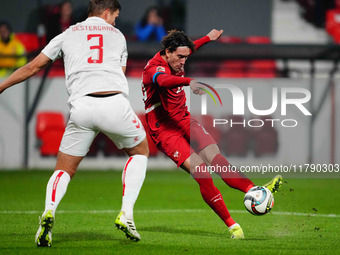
x=172, y=128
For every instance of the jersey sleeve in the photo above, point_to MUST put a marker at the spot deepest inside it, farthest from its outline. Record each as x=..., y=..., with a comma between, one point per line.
x=53, y=48
x=171, y=81
x=161, y=76
x=202, y=41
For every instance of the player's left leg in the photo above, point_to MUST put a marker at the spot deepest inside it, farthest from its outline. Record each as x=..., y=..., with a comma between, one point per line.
x=125, y=129
x=229, y=174
x=74, y=145
x=132, y=178
x=208, y=150
x=275, y=184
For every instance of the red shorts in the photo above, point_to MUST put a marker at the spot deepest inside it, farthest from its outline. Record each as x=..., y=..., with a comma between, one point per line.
x=178, y=139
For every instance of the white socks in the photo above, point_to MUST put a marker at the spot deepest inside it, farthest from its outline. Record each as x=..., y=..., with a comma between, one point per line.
x=56, y=189
x=133, y=178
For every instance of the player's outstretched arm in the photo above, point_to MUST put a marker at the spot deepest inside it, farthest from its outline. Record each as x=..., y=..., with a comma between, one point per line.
x=214, y=34
x=171, y=81
x=25, y=72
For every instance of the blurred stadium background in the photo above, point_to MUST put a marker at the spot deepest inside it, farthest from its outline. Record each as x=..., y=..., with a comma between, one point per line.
x=265, y=44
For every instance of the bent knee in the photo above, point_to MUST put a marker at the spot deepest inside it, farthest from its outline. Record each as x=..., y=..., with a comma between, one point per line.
x=140, y=149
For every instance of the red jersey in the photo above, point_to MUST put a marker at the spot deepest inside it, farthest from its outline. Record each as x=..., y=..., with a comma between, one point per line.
x=169, y=122
x=163, y=88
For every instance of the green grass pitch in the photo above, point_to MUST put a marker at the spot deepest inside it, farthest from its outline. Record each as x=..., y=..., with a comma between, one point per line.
x=170, y=215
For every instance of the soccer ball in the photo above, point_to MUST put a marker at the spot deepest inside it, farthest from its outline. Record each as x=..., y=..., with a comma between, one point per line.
x=258, y=200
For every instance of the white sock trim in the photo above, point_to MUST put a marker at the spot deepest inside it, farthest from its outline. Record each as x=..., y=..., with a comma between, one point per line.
x=233, y=226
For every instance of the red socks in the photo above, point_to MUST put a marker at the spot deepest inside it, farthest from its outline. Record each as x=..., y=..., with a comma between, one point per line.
x=233, y=179
x=212, y=196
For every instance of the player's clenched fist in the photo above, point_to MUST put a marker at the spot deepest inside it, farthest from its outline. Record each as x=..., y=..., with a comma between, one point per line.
x=197, y=87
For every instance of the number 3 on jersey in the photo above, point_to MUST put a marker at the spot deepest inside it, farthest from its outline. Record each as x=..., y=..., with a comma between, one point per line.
x=98, y=46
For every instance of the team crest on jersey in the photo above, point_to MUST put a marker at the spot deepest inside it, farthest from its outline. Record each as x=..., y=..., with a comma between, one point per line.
x=176, y=155
x=160, y=69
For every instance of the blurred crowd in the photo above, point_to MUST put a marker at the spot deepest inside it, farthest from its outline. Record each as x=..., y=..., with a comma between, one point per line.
x=17, y=48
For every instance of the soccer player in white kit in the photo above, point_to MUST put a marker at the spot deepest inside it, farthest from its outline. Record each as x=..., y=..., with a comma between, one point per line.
x=95, y=56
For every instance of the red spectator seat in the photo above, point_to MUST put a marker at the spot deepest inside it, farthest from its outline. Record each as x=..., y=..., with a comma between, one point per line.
x=29, y=40
x=50, y=127
x=260, y=68
x=231, y=68
x=258, y=39
x=230, y=39
x=206, y=68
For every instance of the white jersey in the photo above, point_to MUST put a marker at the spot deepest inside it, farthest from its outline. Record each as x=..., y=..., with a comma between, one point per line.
x=94, y=53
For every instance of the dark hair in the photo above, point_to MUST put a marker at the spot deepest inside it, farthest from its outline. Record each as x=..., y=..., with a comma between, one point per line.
x=7, y=25
x=96, y=7
x=175, y=39
x=144, y=21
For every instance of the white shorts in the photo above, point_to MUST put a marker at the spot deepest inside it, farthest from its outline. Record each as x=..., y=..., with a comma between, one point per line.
x=111, y=115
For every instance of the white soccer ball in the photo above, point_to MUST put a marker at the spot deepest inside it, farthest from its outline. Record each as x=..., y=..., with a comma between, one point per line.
x=258, y=200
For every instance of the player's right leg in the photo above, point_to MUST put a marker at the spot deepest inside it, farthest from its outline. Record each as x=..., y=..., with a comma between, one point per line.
x=208, y=150
x=275, y=184
x=228, y=173
x=74, y=145
x=55, y=191
x=132, y=179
